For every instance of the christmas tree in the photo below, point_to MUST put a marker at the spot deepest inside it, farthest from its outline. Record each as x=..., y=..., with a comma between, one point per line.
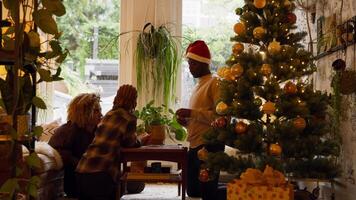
x=269, y=110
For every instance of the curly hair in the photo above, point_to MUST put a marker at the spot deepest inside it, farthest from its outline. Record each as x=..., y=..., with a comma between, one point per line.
x=82, y=107
x=126, y=97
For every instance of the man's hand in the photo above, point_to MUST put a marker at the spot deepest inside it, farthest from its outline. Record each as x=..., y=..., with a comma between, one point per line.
x=144, y=138
x=183, y=115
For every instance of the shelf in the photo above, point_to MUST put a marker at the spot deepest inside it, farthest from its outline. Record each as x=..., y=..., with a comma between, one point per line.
x=7, y=57
x=334, y=49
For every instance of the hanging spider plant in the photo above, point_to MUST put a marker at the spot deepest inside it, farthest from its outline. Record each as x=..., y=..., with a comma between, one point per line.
x=157, y=61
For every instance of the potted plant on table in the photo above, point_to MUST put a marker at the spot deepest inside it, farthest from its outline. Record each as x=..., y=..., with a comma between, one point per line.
x=159, y=121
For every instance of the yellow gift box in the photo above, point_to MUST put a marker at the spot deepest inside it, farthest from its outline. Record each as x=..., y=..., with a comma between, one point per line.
x=255, y=185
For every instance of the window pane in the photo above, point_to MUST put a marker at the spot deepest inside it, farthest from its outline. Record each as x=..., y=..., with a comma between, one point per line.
x=93, y=64
x=211, y=21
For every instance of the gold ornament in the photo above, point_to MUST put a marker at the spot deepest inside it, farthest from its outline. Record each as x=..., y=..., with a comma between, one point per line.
x=228, y=75
x=237, y=70
x=221, y=71
x=259, y=3
x=275, y=149
x=269, y=108
x=299, y=123
x=287, y=4
x=274, y=47
x=259, y=32
x=266, y=69
x=204, y=175
x=203, y=154
x=290, y=88
x=240, y=28
x=237, y=48
x=240, y=127
x=221, y=108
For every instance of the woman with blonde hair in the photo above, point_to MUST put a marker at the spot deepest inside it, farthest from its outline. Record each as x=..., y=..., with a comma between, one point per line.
x=73, y=138
x=97, y=171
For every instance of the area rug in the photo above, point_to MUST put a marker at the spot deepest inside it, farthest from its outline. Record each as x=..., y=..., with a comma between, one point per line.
x=159, y=191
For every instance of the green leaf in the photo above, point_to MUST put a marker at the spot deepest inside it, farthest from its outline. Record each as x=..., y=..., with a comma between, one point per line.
x=9, y=187
x=44, y=20
x=39, y=103
x=19, y=171
x=10, y=30
x=55, y=6
x=55, y=46
x=45, y=75
x=13, y=133
x=33, y=186
x=33, y=160
x=62, y=57
x=38, y=130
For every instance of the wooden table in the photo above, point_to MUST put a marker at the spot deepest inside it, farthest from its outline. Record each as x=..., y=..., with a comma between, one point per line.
x=172, y=153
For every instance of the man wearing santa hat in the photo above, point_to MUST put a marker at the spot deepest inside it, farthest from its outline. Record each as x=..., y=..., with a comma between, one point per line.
x=198, y=117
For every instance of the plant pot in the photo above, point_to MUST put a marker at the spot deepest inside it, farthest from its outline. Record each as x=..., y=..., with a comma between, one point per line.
x=23, y=124
x=158, y=134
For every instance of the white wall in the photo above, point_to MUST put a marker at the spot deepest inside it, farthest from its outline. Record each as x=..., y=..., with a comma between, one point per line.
x=134, y=15
x=346, y=191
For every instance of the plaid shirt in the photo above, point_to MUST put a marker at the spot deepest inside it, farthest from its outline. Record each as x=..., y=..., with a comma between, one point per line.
x=116, y=129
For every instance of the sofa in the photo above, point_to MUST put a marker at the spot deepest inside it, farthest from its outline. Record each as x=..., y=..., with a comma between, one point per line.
x=50, y=171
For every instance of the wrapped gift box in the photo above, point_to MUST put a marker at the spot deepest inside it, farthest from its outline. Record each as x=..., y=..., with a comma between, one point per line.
x=256, y=185
x=239, y=190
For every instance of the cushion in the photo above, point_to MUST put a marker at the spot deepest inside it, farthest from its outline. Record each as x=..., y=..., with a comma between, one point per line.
x=48, y=130
x=50, y=158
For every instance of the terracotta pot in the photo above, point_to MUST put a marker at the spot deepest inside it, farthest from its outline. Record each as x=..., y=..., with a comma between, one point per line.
x=158, y=134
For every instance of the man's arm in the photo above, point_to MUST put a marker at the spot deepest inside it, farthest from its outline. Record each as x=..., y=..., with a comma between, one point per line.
x=207, y=116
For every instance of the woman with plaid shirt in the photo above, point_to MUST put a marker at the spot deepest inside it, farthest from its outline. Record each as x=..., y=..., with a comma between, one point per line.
x=97, y=171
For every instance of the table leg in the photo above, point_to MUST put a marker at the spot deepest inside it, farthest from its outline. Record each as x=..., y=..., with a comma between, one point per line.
x=184, y=177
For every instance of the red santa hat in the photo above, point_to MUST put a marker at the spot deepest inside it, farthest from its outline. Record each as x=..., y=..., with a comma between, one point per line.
x=199, y=51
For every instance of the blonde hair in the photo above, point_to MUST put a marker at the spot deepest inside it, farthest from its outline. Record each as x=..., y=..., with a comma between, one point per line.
x=81, y=109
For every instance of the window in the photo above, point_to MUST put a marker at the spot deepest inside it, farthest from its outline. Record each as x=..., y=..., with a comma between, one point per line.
x=211, y=21
x=93, y=64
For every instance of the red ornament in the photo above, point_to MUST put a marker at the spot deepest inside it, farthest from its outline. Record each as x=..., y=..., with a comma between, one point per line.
x=204, y=175
x=292, y=18
x=219, y=122
x=240, y=127
x=290, y=88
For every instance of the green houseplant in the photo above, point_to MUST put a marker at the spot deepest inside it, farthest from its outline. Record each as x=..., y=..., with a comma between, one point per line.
x=157, y=58
x=155, y=117
x=28, y=56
